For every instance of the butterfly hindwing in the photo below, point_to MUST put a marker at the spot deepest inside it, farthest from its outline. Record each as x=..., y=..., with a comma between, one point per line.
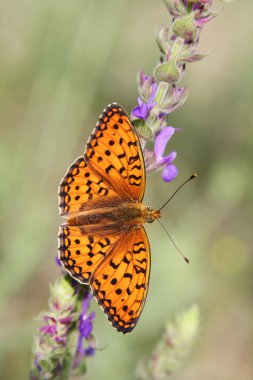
x=120, y=281
x=115, y=153
x=81, y=253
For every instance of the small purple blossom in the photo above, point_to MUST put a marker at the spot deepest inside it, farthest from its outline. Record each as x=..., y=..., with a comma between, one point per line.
x=49, y=330
x=52, y=340
x=86, y=326
x=36, y=363
x=85, y=330
x=61, y=339
x=170, y=171
x=143, y=109
x=57, y=260
x=90, y=351
x=202, y=12
x=156, y=161
x=203, y=20
x=144, y=79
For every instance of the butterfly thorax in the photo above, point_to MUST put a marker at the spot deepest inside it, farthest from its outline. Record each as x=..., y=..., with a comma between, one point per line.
x=113, y=215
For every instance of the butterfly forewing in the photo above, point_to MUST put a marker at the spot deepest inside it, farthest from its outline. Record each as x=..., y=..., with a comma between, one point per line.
x=114, y=152
x=80, y=187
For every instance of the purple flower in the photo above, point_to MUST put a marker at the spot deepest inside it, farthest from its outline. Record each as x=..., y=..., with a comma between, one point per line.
x=36, y=362
x=144, y=79
x=53, y=337
x=145, y=84
x=202, y=12
x=154, y=160
x=85, y=330
x=90, y=351
x=49, y=330
x=170, y=171
x=61, y=339
x=86, y=326
x=66, y=320
x=203, y=20
x=57, y=261
x=143, y=109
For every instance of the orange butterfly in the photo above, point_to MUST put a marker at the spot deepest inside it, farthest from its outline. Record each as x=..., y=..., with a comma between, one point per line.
x=103, y=244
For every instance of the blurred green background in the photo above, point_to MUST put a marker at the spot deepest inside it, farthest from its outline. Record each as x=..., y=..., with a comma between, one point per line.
x=62, y=62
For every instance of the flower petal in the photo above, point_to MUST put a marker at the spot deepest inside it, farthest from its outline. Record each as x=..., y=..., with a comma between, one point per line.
x=161, y=141
x=49, y=330
x=90, y=351
x=152, y=96
x=169, y=173
x=140, y=111
x=143, y=109
x=171, y=157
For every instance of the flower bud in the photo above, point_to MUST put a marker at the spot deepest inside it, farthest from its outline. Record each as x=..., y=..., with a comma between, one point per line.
x=176, y=8
x=186, y=28
x=167, y=72
x=145, y=84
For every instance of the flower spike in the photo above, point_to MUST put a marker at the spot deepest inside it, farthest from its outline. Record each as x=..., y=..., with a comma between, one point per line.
x=160, y=94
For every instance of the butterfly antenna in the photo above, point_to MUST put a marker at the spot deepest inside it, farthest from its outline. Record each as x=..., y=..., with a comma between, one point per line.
x=194, y=175
x=185, y=258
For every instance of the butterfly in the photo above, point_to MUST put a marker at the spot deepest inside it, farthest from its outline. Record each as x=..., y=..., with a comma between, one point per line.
x=103, y=243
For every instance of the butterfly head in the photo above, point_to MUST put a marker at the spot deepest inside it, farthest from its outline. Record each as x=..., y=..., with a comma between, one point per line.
x=152, y=215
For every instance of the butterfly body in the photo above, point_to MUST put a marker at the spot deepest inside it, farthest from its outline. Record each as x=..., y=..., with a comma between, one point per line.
x=114, y=216
x=103, y=243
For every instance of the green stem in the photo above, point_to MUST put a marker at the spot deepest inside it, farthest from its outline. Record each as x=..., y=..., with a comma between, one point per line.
x=66, y=368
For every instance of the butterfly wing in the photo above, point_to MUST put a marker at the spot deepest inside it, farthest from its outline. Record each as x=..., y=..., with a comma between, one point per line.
x=114, y=152
x=81, y=186
x=120, y=281
x=112, y=166
x=81, y=253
